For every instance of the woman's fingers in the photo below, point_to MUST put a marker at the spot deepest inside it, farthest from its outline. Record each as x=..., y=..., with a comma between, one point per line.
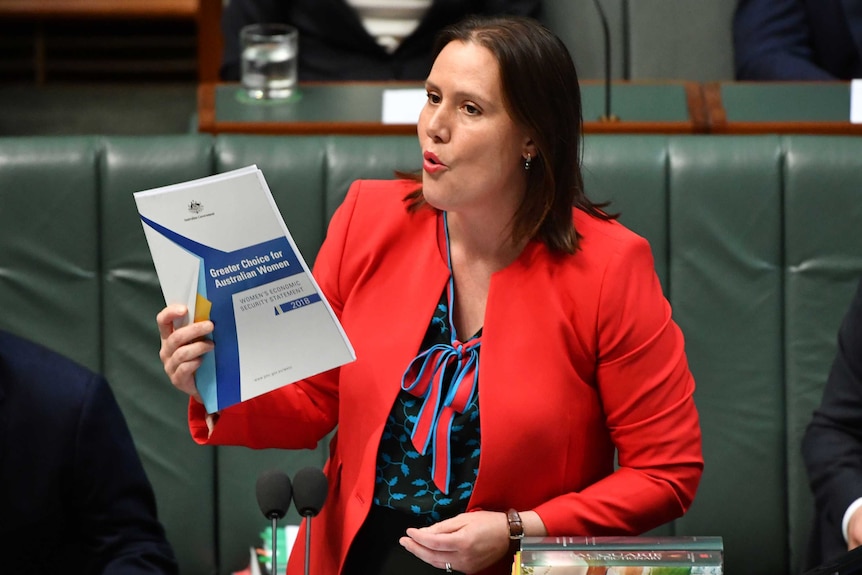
x=165, y=319
x=182, y=349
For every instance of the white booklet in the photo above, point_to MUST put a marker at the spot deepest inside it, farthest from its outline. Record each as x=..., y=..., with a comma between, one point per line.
x=220, y=246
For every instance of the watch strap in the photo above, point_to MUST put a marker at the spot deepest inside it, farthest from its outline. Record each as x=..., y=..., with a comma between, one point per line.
x=516, y=530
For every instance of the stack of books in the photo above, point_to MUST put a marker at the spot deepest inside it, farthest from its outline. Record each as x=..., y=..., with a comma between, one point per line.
x=620, y=556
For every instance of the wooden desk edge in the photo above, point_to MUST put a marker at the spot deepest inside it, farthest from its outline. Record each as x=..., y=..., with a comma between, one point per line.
x=789, y=128
x=206, y=108
x=623, y=127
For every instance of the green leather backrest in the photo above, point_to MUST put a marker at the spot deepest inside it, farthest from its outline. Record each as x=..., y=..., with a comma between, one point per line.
x=755, y=241
x=650, y=39
x=725, y=288
x=49, y=285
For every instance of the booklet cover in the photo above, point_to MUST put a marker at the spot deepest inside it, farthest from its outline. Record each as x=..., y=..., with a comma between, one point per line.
x=220, y=246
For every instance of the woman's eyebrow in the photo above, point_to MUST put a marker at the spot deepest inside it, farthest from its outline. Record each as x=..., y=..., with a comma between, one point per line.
x=458, y=94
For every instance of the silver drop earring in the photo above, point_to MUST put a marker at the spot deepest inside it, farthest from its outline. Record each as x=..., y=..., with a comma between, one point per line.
x=527, y=162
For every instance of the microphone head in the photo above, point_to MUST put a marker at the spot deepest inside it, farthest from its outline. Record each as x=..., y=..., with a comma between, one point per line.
x=309, y=491
x=273, y=492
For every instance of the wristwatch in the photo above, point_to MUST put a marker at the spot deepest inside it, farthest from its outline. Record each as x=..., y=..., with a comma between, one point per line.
x=516, y=530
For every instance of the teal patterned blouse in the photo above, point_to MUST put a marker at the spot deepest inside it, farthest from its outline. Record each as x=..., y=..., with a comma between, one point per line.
x=404, y=478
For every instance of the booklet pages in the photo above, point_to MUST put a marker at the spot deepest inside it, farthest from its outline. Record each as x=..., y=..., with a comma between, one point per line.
x=220, y=246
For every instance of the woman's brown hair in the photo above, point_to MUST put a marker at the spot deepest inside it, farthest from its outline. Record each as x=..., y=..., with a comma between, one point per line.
x=540, y=86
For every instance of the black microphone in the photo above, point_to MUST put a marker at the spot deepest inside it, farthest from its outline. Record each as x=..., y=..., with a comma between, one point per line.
x=273, y=492
x=608, y=116
x=309, y=494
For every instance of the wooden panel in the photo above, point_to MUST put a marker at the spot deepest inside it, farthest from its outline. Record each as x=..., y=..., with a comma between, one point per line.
x=100, y=8
x=209, y=39
x=205, y=13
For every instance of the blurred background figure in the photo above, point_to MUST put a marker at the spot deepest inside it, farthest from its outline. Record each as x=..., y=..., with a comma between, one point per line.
x=359, y=39
x=74, y=497
x=798, y=39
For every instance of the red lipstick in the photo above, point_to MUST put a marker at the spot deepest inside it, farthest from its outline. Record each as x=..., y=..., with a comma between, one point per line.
x=432, y=163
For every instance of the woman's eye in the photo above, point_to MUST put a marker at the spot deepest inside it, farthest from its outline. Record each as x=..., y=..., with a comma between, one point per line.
x=471, y=109
x=433, y=98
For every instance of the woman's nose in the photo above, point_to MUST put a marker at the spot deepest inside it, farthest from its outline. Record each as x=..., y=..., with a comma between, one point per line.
x=437, y=123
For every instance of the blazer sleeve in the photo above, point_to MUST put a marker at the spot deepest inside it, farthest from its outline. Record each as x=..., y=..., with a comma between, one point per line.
x=832, y=443
x=647, y=394
x=299, y=415
x=772, y=41
x=114, y=501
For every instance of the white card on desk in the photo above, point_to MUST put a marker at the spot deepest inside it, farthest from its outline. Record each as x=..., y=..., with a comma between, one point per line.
x=856, y=101
x=402, y=106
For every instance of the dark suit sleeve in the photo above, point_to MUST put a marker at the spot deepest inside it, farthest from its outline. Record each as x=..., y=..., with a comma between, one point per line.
x=771, y=41
x=114, y=501
x=832, y=445
x=239, y=13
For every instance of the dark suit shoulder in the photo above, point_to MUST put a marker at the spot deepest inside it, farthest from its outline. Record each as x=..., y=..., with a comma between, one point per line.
x=30, y=371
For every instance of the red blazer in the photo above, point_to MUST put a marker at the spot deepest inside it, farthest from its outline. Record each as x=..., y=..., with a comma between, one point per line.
x=579, y=356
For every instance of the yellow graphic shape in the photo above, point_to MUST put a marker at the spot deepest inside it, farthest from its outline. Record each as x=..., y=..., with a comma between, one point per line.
x=202, y=308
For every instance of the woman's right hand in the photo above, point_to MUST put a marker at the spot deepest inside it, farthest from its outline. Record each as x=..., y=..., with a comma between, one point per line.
x=182, y=349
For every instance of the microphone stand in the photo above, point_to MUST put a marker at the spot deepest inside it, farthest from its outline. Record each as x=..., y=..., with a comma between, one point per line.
x=274, y=544
x=307, y=543
x=273, y=492
x=309, y=494
x=608, y=116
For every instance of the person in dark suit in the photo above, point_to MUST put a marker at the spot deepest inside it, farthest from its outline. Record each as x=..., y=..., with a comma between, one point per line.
x=74, y=497
x=798, y=39
x=335, y=45
x=832, y=447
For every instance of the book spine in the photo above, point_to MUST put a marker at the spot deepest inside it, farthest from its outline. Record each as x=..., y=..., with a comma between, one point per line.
x=590, y=543
x=638, y=557
x=617, y=570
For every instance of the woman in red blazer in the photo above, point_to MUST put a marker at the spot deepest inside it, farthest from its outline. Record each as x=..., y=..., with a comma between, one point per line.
x=507, y=342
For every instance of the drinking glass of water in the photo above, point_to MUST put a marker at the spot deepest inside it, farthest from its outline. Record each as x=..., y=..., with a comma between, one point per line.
x=269, y=56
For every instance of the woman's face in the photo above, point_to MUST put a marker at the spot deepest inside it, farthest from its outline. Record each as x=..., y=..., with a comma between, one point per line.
x=472, y=149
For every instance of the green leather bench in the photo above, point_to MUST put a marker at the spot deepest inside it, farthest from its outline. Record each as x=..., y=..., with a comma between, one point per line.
x=756, y=241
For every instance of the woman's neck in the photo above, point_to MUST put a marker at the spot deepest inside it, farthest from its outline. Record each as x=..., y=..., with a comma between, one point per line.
x=477, y=250
x=486, y=242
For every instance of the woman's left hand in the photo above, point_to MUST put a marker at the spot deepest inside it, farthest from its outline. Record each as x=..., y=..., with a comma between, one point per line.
x=468, y=542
